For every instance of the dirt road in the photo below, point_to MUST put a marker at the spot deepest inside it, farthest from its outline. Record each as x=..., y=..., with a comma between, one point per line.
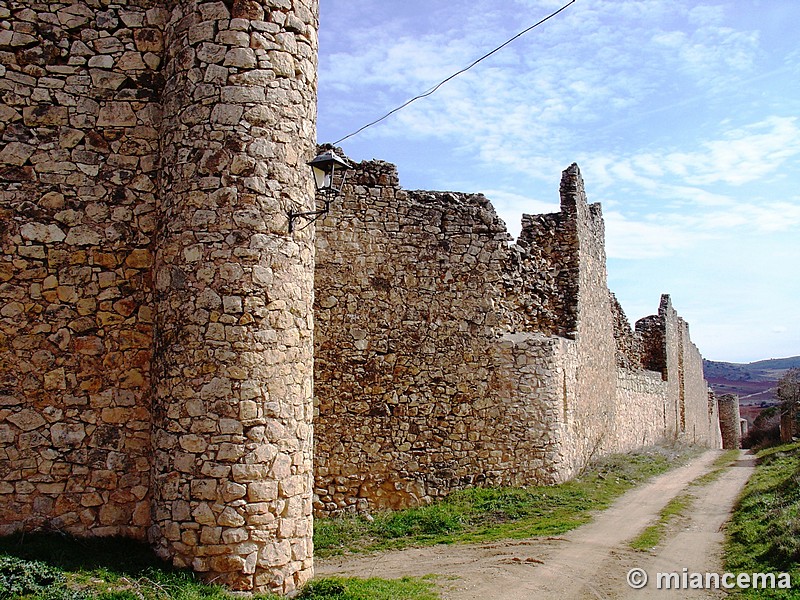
x=590, y=562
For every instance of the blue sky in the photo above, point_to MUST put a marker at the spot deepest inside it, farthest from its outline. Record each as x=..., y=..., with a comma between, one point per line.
x=683, y=116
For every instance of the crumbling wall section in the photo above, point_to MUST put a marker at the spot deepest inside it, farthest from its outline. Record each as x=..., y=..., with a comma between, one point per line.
x=418, y=391
x=548, y=296
x=447, y=356
x=628, y=343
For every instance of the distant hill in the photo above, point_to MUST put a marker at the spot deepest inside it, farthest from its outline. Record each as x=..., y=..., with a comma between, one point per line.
x=763, y=370
x=754, y=382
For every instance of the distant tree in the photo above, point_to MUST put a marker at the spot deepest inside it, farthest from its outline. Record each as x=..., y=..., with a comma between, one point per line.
x=789, y=397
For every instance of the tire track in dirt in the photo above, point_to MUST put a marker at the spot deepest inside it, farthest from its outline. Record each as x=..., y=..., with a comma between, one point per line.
x=589, y=562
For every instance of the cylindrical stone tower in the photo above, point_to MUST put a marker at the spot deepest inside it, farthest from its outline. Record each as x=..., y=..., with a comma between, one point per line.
x=729, y=418
x=233, y=360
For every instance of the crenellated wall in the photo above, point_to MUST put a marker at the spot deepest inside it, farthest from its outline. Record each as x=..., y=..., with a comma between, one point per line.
x=155, y=314
x=447, y=356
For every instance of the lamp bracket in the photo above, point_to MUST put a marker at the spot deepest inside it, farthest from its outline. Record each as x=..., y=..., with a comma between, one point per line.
x=310, y=216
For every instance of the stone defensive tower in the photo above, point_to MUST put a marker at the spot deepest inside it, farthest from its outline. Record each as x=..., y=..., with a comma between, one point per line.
x=155, y=314
x=730, y=421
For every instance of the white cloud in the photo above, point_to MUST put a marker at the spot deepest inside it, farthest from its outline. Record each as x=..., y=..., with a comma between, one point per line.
x=740, y=155
x=682, y=115
x=627, y=238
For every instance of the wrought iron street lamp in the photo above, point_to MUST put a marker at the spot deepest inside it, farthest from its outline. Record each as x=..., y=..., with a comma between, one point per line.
x=330, y=171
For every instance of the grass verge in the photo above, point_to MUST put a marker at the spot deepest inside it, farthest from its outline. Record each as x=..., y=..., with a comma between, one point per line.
x=763, y=535
x=57, y=567
x=482, y=514
x=354, y=588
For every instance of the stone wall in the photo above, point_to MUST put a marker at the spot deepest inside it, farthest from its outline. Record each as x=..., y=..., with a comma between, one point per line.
x=155, y=315
x=405, y=381
x=157, y=331
x=447, y=356
x=80, y=121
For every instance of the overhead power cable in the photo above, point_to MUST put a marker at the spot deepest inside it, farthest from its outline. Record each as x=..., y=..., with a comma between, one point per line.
x=456, y=74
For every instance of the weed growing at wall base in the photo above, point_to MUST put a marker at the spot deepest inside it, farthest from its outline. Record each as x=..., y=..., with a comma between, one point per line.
x=58, y=567
x=353, y=588
x=480, y=514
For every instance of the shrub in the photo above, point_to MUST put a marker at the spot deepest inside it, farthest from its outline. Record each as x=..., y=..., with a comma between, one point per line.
x=758, y=438
x=20, y=577
x=325, y=589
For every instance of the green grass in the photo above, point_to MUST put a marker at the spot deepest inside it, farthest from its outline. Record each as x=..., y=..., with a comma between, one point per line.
x=354, y=588
x=652, y=535
x=57, y=567
x=481, y=514
x=720, y=465
x=764, y=532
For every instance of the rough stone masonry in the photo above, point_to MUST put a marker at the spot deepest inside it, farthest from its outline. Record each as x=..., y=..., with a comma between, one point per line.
x=157, y=319
x=448, y=356
x=155, y=316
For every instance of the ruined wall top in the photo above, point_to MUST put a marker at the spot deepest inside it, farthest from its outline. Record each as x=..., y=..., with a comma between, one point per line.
x=443, y=347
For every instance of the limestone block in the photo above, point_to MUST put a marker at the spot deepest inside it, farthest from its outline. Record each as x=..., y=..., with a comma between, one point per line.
x=278, y=553
x=148, y=40
x=230, y=518
x=233, y=491
x=108, y=45
x=262, y=491
x=193, y=443
x=45, y=115
x=67, y=435
x=116, y=114
x=16, y=153
x=282, y=63
x=83, y=236
x=102, y=78
x=74, y=16
x=26, y=419
x=217, y=388
x=40, y=232
x=226, y=564
x=203, y=515
x=204, y=489
x=240, y=57
x=55, y=380
x=224, y=114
